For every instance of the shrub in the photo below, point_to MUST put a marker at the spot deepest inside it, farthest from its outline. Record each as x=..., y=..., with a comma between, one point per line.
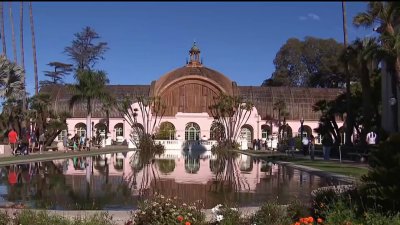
x=5, y=219
x=161, y=210
x=29, y=217
x=223, y=215
x=297, y=209
x=382, y=185
x=103, y=218
x=272, y=214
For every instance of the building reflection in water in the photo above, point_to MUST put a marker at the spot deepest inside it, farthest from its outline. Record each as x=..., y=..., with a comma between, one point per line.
x=118, y=181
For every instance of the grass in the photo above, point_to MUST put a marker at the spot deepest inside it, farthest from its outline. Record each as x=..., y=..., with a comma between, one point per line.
x=332, y=166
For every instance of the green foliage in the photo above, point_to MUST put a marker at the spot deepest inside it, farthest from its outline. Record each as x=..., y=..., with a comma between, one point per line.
x=5, y=219
x=166, y=166
x=272, y=214
x=166, y=131
x=340, y=213
x=161, y=210
x=103, y=218
x=83, y=51
x=297, y=209
x=382, y=185
x=313, y=62
x=29, y=217
x=225, y=215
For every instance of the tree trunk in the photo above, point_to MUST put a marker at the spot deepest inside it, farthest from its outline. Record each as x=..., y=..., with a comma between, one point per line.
x=13, y=34
x=366, y=101
x=349, y=118
x=3, y=37
x=34, y=49
x=21, y=38
x=89, y=121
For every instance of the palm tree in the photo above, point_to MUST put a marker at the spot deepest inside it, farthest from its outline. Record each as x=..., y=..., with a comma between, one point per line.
x=34, y=49
x=90, y=86
x=13, y=33
x=21, y=35
x=387, y=16
x=10, y=79
x=350, y=117
x=3, y=37
x=362, y=55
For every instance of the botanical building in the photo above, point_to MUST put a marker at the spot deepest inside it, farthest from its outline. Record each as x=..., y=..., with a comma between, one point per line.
x=188, y=92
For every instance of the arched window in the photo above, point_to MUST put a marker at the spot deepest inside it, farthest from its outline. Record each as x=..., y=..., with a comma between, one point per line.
x=80, y=129
x=307, y=131
x=119, y=129
x=62, y=134
x=217, y=131
x=192, y=131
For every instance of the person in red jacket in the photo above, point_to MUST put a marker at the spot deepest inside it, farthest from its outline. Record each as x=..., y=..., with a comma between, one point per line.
x=12, y=139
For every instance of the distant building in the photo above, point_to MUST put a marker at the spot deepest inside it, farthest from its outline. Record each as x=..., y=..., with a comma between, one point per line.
x=188, y=92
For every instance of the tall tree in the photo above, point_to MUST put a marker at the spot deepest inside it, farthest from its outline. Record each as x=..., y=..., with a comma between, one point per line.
x=386, y=15
x=362, y=59
x=232, y=112
x=280, y=107
x=350, y=117
x=34, y=49
x=3, y=37
x=14, y=45
x=310, y=63
x=21, y=35
x=90, y=86
x=56, y=76
x=83, y=51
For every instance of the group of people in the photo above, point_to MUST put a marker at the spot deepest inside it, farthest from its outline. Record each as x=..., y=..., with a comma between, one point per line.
x=27, y=139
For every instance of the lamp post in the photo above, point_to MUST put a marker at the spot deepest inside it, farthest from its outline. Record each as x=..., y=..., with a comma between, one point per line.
x=301, y=128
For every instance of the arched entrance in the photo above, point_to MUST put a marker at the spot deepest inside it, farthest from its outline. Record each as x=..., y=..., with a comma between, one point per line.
x=307, y=131
x=246, y=132
x=166, y=131
x=286, y=132
x=80, y=129
x=192, y=131
x=217, y=131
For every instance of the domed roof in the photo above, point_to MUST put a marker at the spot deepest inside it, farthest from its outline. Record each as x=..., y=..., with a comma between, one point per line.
x=196, y=73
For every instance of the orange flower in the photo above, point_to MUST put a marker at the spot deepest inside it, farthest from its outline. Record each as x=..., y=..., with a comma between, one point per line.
x=297, y=223
x=180, y=218
x=187, y=223
x=319, y=220
x=301, y=220
x=310, y=219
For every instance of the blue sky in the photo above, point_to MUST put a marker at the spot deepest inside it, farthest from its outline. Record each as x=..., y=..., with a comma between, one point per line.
x=149, y=39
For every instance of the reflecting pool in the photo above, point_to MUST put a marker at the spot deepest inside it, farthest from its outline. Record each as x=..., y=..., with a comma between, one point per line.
x=118, y=181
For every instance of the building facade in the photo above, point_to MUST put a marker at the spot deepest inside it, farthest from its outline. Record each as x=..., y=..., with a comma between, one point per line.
x=188, y=92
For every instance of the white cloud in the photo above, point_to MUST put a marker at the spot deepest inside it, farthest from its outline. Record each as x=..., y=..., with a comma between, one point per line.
x=313, y=16
x=302, y=18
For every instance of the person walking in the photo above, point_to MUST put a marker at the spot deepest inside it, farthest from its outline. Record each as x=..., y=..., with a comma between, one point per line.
x=327, y=143
x=305, y=143
x=12, y=139
x=42, y=139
